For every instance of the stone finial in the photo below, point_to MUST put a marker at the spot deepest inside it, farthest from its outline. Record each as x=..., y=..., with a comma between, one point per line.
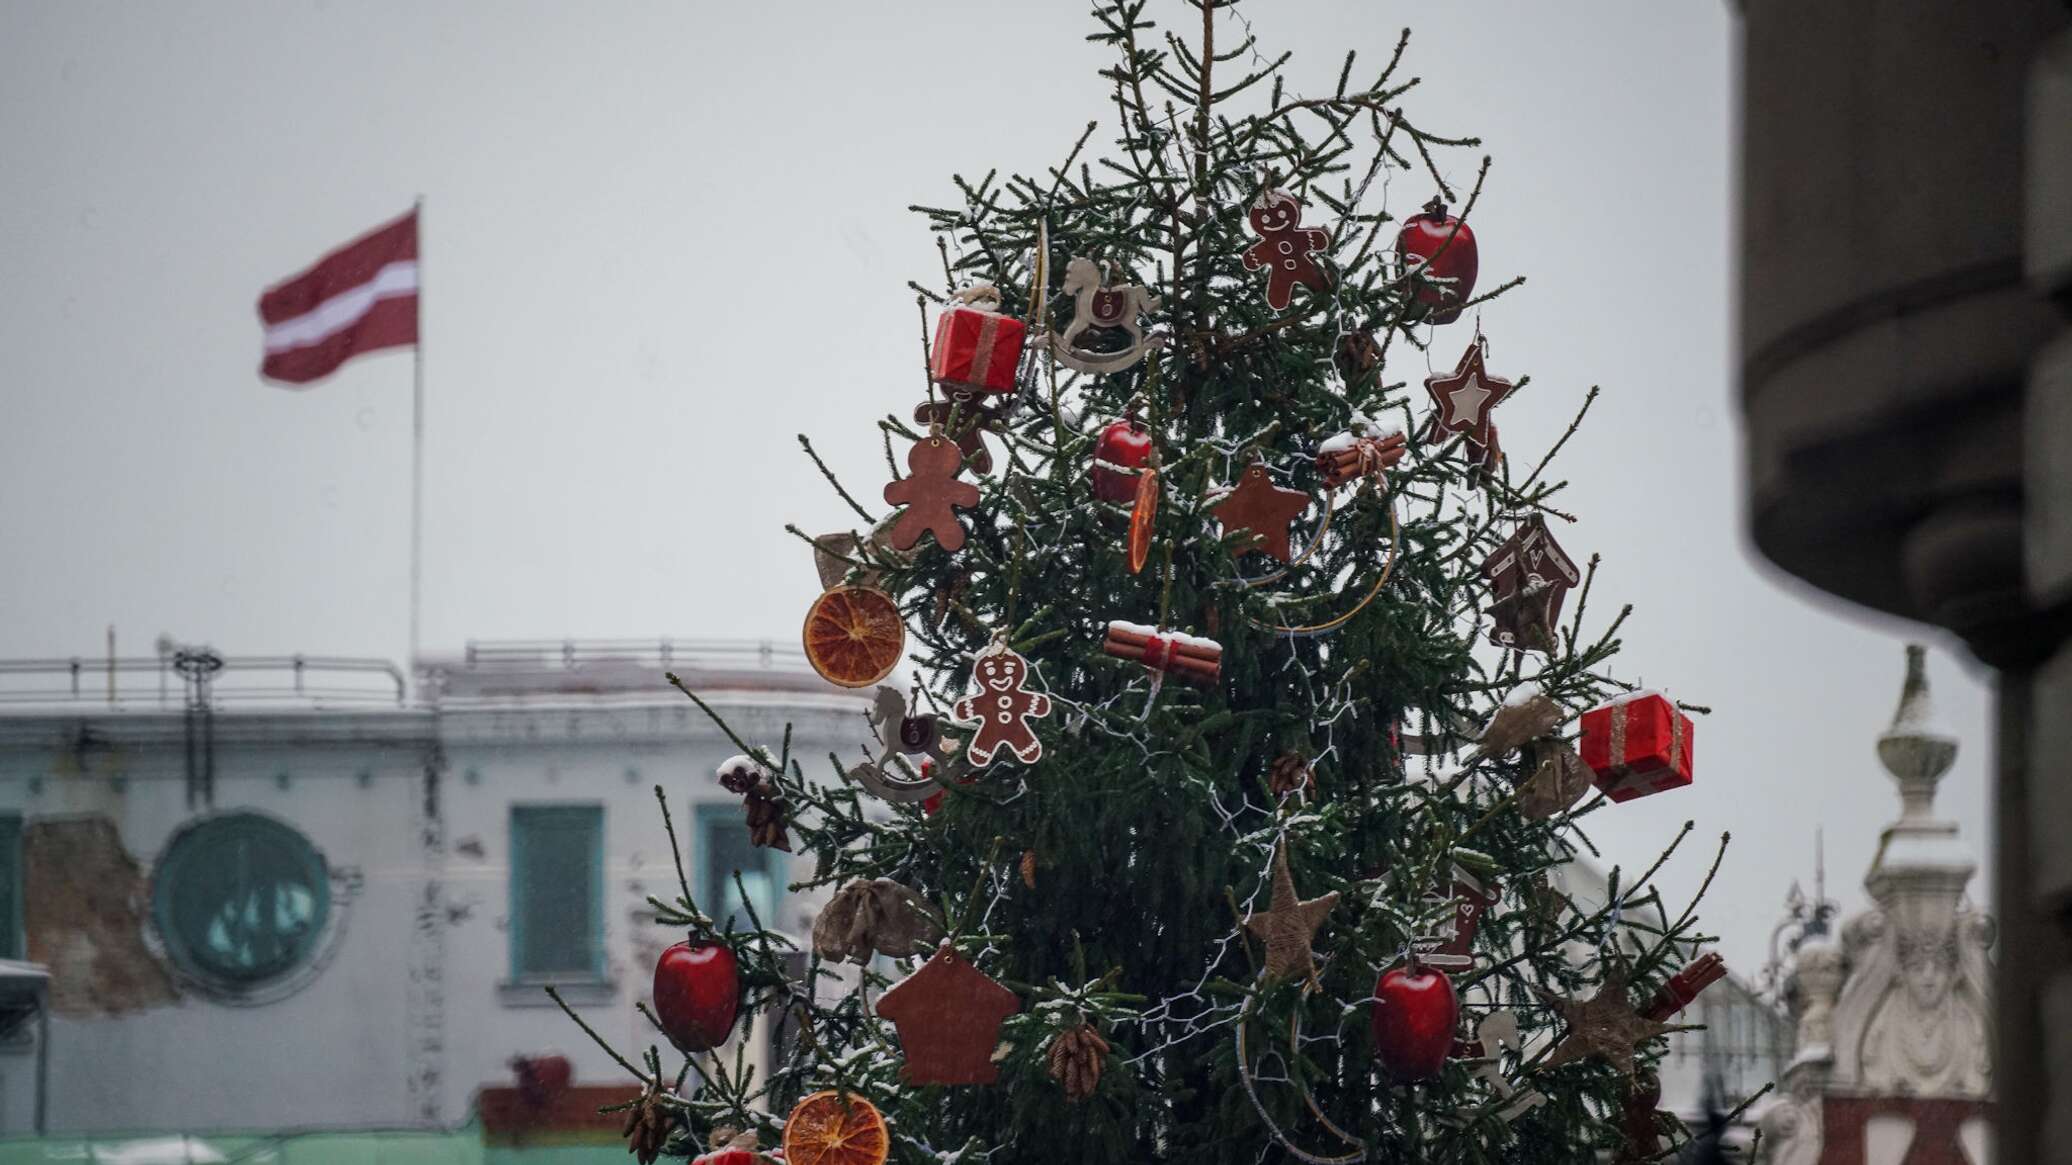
x=1916, y=750
x=1911, y=1017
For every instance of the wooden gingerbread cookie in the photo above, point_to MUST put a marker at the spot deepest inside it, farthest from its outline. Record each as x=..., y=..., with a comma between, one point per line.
x=928, y=492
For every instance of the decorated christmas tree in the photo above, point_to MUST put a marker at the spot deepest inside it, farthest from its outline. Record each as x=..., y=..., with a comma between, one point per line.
x=1228, y=715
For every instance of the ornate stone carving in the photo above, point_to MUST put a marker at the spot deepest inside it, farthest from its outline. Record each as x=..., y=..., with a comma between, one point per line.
x=1791, y=1128
x=1899, y=1009
x=1818, y=980
x=1912, y=1016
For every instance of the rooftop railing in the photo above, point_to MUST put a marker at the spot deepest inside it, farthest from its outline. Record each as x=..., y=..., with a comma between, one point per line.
x=177, y=677
x=187, y=677
x=613, y=668
x=666, y=653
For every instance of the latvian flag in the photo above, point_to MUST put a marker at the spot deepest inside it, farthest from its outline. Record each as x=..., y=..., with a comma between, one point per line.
x=361, y=297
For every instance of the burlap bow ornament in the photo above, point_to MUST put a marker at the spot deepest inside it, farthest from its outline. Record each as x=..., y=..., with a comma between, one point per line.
x=874, y=916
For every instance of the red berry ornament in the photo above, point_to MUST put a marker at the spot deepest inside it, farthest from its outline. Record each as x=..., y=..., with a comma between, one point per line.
x=1122, y=446
x=1415, y=1016
x=1449, y=267
x=697, y=994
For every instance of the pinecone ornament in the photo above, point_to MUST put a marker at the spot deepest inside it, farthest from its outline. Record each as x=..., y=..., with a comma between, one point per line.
x=946, y=596
x=760, y=797
x=648, y=1125
x=1075, y=1060
x=1290, y=774
x=1358, y=355
x=1029, y=868
x=766, y=817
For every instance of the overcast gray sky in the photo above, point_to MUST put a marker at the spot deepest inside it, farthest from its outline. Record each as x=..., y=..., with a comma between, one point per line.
x=660, y=238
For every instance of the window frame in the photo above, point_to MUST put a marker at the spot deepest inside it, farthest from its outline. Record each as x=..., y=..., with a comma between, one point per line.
x=178, y=855
x=731, y=814
x=516, y=897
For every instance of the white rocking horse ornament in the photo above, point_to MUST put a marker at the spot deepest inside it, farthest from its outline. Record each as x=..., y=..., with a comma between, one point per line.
x=1101, y=308
x=893, y=775
x=1497, y=1031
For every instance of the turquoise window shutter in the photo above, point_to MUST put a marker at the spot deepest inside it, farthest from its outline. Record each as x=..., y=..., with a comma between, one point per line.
x=10, y=887
x=723, y=847
x=557, y=891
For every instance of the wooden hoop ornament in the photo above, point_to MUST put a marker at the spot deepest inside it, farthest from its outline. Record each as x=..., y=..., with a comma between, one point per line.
x=1308, y=548
x=1388, y=568
x=1244, y=1074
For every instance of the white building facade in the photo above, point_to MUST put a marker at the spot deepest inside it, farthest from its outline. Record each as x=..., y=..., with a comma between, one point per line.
x=292, y=893
x=320, y=904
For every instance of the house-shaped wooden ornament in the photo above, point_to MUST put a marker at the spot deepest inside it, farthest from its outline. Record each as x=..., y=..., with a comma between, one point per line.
x=1529, y=575
x=948, y=1015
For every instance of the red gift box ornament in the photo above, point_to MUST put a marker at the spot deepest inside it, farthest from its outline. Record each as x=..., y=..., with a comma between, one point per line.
x=976, y=348
x=1637, y=744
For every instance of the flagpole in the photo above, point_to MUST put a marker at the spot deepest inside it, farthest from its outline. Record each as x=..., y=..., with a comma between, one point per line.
x=417, y=461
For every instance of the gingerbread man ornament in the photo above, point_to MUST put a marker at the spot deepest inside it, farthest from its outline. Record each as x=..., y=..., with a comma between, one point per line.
x=1285, y=248
x=1001, y=709
x=928, y=491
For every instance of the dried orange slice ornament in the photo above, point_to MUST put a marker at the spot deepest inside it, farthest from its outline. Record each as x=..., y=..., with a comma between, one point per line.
x=854, y=635
x=1143, y=517
x=832, y=1128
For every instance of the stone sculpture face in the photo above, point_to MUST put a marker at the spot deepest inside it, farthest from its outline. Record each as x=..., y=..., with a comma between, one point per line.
x=1928, y=967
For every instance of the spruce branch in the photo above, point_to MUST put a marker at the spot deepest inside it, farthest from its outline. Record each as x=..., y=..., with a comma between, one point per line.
x=806, y=443
x=599, y=1040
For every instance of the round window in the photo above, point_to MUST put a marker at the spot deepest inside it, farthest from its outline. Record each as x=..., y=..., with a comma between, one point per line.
x=240, y=899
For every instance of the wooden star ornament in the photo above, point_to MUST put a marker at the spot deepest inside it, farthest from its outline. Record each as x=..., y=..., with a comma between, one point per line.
x=1465, y=396
x=1259, y=507
x=1604, y=1026
x=1288, y=924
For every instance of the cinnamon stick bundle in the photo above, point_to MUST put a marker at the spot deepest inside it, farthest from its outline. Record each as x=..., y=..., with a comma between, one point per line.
x=1197, y=660
x=1364, y=457
x=1684, y=986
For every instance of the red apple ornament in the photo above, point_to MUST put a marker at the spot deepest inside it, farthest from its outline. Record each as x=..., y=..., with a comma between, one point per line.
x=697, y=994
x=1122, y=446
x=1449, y=266
x=1415, y=1016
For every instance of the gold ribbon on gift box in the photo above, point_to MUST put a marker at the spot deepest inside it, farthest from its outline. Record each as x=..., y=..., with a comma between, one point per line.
x=1677, y=744
x=985, y=298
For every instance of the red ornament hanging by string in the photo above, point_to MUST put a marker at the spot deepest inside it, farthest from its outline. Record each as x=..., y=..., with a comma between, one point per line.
x=1438, y=252
x=1416, y=1013
x=1637, y=744
x=976, y=348
x=697, y=994
x=1120, y=453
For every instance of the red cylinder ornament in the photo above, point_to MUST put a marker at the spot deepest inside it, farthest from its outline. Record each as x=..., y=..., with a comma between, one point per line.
x=1416, y=1014
x=1444, y=247
x=697, y=994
